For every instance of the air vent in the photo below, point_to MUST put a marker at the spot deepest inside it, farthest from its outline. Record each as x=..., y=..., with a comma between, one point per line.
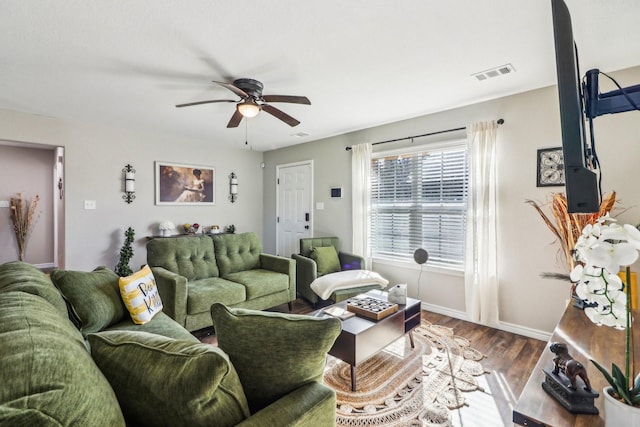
x=494, y=72
x=300, y=134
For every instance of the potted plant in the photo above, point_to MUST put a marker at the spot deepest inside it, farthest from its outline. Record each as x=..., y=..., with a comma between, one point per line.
x=126, y=253
x=22, y=213
x=601, y=250
x=567, y=227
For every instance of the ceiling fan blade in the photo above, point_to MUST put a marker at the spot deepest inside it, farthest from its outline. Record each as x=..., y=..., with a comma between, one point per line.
x=204, y=102
x=280, y=115
x=235, y=120
x=287, y=98
x=242, y=94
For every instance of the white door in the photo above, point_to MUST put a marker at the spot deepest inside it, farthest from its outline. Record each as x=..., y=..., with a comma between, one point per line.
x=294, y=196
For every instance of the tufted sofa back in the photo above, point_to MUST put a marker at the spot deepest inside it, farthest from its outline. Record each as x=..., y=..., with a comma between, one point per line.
x=190, y=256
x=237, y=252
x=307, y=243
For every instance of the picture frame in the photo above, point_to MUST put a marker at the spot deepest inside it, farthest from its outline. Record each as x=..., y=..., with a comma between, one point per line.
x=550, y=167
x=184, y=184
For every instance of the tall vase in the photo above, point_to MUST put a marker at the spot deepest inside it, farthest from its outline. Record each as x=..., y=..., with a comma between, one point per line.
x=618, y=414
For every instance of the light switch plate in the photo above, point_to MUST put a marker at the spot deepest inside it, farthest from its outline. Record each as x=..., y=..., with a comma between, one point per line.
x=4, y=203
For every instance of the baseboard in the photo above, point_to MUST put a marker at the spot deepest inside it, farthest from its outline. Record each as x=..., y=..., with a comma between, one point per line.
x=523, y=330
x=456, y=314
x=503, y=326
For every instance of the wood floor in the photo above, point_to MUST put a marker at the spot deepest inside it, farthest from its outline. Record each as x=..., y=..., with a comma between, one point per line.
x=509, y=361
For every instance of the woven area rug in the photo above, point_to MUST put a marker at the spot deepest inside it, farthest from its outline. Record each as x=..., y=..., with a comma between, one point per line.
x=401, y=386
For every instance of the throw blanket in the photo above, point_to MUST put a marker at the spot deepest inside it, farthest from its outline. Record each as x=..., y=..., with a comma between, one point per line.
x=325, y=285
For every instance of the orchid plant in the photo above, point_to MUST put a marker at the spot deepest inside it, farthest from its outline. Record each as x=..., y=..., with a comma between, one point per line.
x=601, y=250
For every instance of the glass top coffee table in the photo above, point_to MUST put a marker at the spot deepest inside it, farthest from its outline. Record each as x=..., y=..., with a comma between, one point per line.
x=361, y=338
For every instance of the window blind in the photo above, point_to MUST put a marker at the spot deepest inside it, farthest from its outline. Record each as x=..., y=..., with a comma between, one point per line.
x=419, y=200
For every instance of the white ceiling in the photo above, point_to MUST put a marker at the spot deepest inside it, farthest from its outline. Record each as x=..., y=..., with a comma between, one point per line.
x=362, y=63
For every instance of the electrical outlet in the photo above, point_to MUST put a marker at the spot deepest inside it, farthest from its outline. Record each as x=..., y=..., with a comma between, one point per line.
x=4, y=203
x=89, y=204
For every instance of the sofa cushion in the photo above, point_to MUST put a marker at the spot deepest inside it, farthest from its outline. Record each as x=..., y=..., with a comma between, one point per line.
x=93, y=296
x=161, y=324
x=192, y=257
x=48, y=376
x=202, y=293
x=24, y=277
x=140, y=295
x=259, y=282
x=326, y=259
x=237, y=252
x=160, y=381
x=284, y=338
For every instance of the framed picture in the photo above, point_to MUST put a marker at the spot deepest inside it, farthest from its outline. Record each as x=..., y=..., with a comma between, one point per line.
x=178, y=184
x=550, y=167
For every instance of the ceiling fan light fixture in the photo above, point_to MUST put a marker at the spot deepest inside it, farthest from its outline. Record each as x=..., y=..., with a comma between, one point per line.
x=248, y=108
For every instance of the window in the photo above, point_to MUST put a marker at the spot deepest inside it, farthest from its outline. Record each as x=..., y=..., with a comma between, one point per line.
x=419, y=200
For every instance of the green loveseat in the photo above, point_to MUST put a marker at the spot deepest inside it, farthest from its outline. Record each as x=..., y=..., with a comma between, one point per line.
x=265, y=371
x=193, y=272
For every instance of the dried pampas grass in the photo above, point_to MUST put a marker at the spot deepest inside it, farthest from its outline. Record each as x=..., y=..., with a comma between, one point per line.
x=567, y=227
x=23, y=216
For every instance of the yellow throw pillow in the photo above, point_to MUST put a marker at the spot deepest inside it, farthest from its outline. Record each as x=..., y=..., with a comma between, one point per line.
x=140, y=295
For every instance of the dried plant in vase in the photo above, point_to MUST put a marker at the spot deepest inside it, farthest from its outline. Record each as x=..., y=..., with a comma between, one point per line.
x=567, y=227
x=23, y=218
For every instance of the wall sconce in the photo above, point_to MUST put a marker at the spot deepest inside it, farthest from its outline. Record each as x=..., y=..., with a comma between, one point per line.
x=233, y=187
x=129, y=183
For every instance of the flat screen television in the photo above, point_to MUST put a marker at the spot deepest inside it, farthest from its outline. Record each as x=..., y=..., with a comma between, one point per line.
x=581, y=183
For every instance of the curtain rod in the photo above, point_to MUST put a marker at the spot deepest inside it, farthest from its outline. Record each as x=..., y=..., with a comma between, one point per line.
x=499, y=121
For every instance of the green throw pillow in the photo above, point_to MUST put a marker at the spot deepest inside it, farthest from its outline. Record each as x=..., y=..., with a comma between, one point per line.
x=274, y=353
x=160, y=381
x=326, y=258
x=94, y=297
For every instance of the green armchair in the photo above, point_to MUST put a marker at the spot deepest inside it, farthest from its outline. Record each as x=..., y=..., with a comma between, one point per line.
x=307, y=270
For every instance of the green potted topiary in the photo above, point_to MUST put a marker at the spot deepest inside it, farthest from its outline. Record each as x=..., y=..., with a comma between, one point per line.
x=126, y=253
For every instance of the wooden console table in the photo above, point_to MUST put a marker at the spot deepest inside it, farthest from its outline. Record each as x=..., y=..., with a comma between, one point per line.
x=586, y=341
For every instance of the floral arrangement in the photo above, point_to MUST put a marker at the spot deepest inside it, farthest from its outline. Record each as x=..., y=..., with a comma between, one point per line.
x=567, y=227
x=191, y=228
x=22, y=213
x=601, y=250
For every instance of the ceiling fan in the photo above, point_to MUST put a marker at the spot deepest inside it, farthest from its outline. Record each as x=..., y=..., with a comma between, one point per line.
x=252, y=101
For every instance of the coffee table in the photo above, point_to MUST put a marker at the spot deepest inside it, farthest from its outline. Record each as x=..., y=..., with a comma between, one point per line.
x=362, y=338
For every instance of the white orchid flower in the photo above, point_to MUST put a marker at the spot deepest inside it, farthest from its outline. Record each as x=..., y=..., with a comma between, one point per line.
x=633, y=235
x=611, y=256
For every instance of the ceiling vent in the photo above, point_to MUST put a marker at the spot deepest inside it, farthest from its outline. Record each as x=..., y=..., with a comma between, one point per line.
x=494, y=72
x=300, y=134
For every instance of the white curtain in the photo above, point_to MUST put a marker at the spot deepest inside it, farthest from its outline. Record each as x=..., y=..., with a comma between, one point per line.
x=360, y=199
x=481, y=281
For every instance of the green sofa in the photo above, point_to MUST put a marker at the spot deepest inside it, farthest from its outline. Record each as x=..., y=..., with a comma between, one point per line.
x=193, y=272
x=70, y=355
